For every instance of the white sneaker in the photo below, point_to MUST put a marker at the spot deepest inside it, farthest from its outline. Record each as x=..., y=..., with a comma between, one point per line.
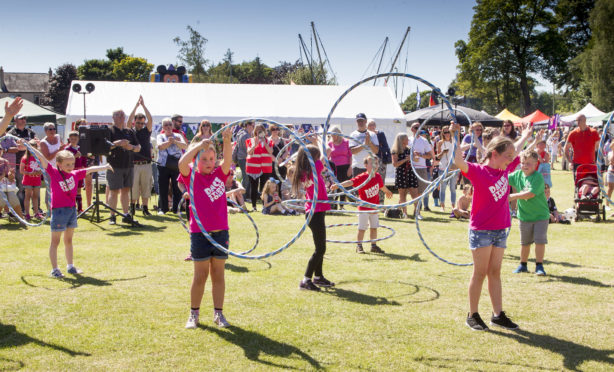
x=220, y=320
x=419, y=217
x=161, y=213
x=192, y=321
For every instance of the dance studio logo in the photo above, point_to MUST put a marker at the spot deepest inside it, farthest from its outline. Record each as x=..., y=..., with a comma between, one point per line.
x=68, y=184
x=216, y=190
x=372, y=191
x=500, y=188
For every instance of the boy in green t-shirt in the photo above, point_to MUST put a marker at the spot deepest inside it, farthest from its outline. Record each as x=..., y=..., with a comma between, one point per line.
x=533, y=212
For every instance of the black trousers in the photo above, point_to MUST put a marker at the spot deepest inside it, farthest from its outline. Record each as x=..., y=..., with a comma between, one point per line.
x=255, y=189
x=318, y=230
x=341, y=172
x=164, y=175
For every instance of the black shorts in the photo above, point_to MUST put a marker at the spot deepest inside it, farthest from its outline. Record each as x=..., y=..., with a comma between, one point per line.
x=202, y=249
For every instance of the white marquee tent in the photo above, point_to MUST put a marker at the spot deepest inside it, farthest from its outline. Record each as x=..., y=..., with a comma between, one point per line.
x=589, y=111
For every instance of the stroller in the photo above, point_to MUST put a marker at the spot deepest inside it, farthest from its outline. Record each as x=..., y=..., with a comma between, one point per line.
x=588, y=201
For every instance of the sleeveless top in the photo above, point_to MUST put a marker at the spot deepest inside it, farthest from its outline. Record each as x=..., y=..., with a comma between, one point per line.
x=52, y=148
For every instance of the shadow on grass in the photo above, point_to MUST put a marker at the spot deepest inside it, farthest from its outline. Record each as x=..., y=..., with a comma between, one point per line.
x=10, y=337
x=546, y=261
x=453, y=363
x=577, y=280
x=12, y=226
x=245, y=269
x=78, y=281
x=10, y=364
x=573, y=354
x=367, y=299
x=254, y=344
x=392, y=256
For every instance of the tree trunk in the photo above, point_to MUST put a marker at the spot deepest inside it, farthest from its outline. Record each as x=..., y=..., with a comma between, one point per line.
x=526, y=94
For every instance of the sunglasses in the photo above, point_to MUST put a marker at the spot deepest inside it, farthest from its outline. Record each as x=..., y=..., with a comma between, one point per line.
x=178, y=121
x=167, y=125
x=446, y=132
x=274, y=129
x=50, y=129
x=206, y=125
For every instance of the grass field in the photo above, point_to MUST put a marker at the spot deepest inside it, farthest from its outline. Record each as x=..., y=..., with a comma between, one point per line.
x=400, y=311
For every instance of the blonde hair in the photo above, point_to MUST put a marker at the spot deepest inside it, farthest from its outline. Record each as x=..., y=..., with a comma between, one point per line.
x=397, y=146
x=267, y=189
x=73, y=133
x=63, y=155
x=499, y=144
x=529, y=154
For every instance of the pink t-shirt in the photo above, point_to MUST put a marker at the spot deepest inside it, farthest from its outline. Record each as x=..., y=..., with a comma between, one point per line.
x=340, y=154
x=209, y=199
x=490, y=208
x=64, y=190
x=320, y=207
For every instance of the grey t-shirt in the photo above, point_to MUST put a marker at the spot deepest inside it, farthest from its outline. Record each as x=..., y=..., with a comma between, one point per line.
x=358, y=138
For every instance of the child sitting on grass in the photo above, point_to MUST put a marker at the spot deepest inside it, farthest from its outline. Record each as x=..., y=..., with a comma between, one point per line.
x=271, y=202
x=8, y=186
x=463, y=206
x=370, y=194
x=555, y=216
x=63, y=180
x=533, y=212
x=234, y=192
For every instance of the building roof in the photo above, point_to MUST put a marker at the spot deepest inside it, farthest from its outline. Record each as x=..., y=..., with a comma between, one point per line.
x=24, y=82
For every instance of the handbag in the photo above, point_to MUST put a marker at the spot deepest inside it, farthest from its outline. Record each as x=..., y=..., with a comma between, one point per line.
x=393, y=213
x=172, y=162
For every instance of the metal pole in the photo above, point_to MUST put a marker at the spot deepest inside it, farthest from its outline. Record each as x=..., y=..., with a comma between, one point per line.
x=398, y=52
x=381, y=59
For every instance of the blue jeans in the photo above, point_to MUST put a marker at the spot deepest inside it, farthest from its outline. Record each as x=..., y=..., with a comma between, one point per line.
x=154, y=172
x=451, y=183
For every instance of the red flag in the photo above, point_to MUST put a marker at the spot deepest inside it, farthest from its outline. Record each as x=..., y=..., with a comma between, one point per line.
x=432, y=100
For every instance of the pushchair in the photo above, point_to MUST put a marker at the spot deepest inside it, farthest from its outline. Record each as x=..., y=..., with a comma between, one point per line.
x=588, y=200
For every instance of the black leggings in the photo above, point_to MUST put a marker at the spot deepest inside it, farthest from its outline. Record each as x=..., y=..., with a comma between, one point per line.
x=254, y=189
x=318, y=230
x=341, y=172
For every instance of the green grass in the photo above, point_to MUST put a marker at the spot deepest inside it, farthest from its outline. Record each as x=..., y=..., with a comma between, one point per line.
x=401, y=311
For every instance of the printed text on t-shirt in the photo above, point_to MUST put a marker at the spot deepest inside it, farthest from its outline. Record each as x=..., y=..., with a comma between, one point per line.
x=216, y=190
x=500, y=188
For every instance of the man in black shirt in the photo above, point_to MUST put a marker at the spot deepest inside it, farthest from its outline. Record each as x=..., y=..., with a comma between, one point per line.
x=20, y=130
x=120, y=179
x=142, y=183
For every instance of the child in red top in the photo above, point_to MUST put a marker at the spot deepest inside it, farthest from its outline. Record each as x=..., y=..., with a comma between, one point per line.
x=210, y=203
x=370, y=194
x=31, y=182
x=63, y=181
x=80, y=163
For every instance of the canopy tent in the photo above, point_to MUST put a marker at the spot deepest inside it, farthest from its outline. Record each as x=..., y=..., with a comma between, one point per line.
x=34, y=113
x=535, y=117
x=507, y=115
x=589, y=111
x=444, y=117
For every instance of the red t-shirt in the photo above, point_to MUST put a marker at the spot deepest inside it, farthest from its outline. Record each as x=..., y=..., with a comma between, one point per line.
x=370, y=191
x=583, y=143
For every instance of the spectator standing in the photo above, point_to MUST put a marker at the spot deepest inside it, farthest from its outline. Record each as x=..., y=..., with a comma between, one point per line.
x=142, y=183
x=422, y=151
x=383, y=154
x=178, y=126
x=9, y=112
x=120, y=179
x=20, y=130
x=340, y=157
x=170, y=146
x=259, y=162
x=241, y=138
x=362, y=136
x=584, y=141
x=444, y=154
x=278, y=144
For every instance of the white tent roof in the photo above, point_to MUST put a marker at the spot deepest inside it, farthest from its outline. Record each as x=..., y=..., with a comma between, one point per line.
x=589, y=111
x=288, y=104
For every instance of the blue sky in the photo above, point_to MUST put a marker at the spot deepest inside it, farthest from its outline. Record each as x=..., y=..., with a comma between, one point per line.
x=42, y=34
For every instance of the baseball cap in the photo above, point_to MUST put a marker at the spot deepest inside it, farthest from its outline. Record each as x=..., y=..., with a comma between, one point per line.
x=361, y=116
x=20, y=116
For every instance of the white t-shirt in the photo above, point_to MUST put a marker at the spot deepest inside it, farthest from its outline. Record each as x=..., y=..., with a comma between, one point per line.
x=358, y=138
x=445, y=158
x=421, y=146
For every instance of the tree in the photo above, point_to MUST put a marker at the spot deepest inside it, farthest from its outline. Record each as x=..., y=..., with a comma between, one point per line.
x=504, y=46
x=59, y=87
x=95, y=69
x=192, y=53
x=281, y=71
x=595, y=60
x=131, y=69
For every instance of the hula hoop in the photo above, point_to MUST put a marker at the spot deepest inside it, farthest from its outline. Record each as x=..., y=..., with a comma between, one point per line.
x=392, y=232
x=601, y=157
x=314, y=200
x=45, y=176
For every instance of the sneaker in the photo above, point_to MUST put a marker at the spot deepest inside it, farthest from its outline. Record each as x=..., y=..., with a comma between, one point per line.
x=39, y=216
x=452, y=215
x=503, y=321
x=513, y=214
x=192, y=321
x=475, y=322
x=308, y=285
x=73, y=270
x=521, y=269
x=376, y=249
x=539, y=270
x=146, y=211
x=419, y=217
x=427, y=209
x=56, y=273
x=189, y=258
x=28, y=218
x=129, y=220
x=359, y=249
x=112, y=220
x=220, y=320
x=322, y=282
x=161, y=213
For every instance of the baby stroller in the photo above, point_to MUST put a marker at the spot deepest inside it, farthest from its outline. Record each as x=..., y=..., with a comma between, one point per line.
x=588, y=201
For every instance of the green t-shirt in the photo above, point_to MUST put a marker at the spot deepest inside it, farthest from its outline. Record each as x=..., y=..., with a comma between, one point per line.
x=536, y=208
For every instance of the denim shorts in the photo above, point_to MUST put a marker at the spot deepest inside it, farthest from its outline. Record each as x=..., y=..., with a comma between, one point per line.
x=202, y=249
x=63, y=218
x=486, y=238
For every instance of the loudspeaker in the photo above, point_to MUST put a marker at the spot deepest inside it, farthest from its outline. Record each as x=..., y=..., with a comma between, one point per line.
x=94, y=140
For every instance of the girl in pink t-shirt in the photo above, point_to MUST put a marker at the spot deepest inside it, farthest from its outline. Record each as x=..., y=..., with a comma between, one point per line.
x=210, y=204
x=490, y=217
x=63, y=180
x=303, y=178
